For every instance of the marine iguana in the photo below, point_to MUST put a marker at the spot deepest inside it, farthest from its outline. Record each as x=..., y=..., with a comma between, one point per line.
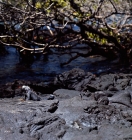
x=29, y=94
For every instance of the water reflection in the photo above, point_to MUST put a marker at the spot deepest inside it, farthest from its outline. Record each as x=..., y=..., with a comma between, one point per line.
x=11, y=68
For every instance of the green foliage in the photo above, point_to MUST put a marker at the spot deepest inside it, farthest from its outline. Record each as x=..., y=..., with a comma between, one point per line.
x=116, y=1
x=96, y=38
x=95, y=7
x=4, y=39
x=78, y=12
x=38, y=5
x=57, y=3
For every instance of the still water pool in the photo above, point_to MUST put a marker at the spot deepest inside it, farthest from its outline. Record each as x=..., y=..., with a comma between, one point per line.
x=11, y=68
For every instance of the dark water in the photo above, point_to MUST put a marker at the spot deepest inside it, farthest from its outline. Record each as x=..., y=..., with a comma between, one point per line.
x=40, y=70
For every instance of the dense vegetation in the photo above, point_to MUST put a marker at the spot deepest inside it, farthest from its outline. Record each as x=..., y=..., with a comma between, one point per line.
x=58, y=26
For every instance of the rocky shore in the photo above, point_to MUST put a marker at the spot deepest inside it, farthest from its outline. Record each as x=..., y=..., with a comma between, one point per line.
x=84, y=107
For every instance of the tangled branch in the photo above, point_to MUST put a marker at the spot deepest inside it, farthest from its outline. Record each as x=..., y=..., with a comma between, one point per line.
x=39, y=26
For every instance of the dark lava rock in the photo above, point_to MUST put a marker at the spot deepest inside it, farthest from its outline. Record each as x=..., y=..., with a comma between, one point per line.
x=15, y=88
x=74, y=79
x=80, y=106
x=29, y=120
x=101, y=98
x=122, y=97
x=66, y=94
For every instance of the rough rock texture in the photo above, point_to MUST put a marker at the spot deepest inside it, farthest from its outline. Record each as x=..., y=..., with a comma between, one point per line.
x=27, y=120
x=84, y=107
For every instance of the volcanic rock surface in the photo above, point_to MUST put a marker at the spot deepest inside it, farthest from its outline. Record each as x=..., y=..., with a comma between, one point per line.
x=84, y=107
